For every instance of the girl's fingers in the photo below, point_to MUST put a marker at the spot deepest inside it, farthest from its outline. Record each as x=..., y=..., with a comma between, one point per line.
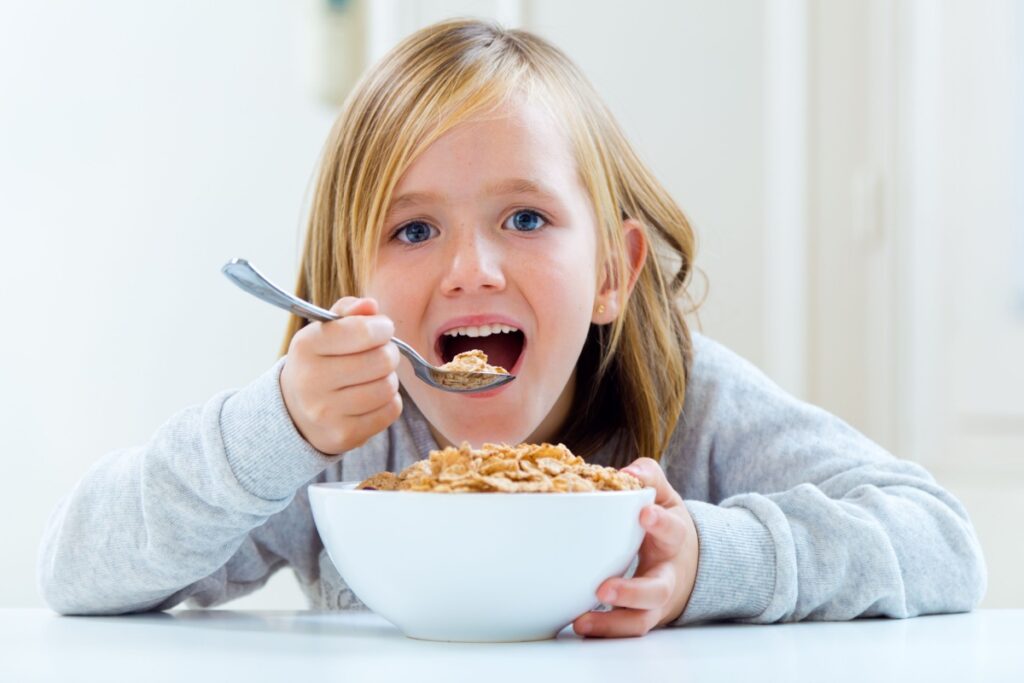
x=366, y=398
x=619, y=623
x=650, y=473
x=351, y=305
x=665, y=535
x=649, y=592
x=358, y=368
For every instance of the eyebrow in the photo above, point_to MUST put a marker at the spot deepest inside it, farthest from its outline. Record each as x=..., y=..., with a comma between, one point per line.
x=503, y=187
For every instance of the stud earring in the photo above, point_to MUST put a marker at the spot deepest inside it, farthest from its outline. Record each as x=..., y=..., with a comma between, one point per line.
x=600, y=309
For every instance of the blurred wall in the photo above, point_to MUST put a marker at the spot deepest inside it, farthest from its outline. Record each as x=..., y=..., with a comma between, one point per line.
x=142, y=145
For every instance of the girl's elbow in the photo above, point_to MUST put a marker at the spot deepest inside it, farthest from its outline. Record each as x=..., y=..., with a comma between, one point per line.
x=972, y=576
x=976, y=576
x=59, y=594
x=56, y=597
x=962, y=582
x=62, y=594
x=959, y=570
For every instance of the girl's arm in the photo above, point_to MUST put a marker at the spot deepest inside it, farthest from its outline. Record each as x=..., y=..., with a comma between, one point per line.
x=181, y=517
x=799, y=516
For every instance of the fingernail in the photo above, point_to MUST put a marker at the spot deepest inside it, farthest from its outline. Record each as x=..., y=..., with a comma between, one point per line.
x=583, y=627
x=650, y=517
x=610, y=596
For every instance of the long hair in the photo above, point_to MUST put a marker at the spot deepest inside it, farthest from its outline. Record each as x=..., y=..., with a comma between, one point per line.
x=631, y=379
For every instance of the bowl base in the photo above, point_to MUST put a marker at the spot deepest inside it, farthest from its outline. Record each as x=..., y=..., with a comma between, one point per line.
x=477, y=637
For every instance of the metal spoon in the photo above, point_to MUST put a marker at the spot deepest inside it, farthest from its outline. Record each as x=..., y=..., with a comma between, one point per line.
x=245, y=275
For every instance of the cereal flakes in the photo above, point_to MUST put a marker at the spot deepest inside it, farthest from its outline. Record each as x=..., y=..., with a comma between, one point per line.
x=494, y=468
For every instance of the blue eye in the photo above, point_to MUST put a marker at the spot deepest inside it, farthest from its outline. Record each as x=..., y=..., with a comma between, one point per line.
x=415, y=232
x=525, y=221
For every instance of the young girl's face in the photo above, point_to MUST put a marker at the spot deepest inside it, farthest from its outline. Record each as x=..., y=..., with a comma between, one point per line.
x=489, y=230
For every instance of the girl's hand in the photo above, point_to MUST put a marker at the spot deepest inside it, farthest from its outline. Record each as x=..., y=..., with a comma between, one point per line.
x=659, y=590
x=338, y=382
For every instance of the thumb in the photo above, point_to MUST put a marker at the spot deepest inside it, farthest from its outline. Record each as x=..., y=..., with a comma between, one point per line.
x=351, y=305
x=649, y=471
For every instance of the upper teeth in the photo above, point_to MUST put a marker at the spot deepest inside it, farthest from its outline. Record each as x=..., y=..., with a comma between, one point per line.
x=479, y=330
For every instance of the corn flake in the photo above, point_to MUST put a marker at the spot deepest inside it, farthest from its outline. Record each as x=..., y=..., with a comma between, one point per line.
x=494, y=468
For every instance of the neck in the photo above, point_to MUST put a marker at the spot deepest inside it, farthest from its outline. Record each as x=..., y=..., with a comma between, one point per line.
x=550, y=427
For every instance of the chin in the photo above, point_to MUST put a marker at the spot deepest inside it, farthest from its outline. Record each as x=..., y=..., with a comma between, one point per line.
x=477, y=434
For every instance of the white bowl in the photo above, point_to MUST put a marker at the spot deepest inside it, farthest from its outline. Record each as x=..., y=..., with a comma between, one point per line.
x=481, y=567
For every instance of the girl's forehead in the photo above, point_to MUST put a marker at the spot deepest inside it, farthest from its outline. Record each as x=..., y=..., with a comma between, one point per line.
x=518, y=141
x=526, y=120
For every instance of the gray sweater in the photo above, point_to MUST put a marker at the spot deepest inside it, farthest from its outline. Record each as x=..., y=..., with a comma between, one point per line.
x=799, y=516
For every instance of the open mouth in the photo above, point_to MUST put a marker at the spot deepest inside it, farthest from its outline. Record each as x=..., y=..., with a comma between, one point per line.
x=503, y=344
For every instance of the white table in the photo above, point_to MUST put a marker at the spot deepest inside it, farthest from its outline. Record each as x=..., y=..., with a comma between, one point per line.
x=226, y=645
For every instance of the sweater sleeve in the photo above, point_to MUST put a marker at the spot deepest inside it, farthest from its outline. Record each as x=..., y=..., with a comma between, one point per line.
x=806, y=518
x=188, y=515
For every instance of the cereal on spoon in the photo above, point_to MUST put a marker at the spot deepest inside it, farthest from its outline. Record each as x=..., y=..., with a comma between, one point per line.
x=467, y=362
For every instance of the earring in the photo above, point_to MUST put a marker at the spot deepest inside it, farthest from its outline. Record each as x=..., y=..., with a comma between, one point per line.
x=600, y=309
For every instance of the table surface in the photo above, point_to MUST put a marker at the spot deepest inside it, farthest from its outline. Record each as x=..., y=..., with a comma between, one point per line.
x=227, y=645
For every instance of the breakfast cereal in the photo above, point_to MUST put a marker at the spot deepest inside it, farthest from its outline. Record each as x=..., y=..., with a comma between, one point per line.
x=494, y=468
x=460, y=371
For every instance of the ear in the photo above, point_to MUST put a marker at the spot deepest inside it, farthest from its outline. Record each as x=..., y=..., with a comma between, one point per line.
x=614, y=290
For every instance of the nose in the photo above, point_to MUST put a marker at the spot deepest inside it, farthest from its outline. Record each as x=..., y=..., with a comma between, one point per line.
x=474, y=264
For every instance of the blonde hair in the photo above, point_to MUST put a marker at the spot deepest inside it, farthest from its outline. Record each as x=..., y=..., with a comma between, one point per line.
x=631, y=379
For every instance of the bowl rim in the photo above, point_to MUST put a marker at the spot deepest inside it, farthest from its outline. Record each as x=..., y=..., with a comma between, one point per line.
x=349, y=487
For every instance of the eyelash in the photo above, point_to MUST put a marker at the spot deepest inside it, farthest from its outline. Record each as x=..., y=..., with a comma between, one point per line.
x=397, y=231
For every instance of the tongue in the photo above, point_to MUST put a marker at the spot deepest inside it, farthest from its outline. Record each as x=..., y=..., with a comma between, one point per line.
x=502, y=349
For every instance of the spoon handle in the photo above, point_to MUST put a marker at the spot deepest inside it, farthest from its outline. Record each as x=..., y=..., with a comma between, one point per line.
x=245, y=275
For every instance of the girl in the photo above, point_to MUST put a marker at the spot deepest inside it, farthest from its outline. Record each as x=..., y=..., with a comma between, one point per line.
x=475, y=193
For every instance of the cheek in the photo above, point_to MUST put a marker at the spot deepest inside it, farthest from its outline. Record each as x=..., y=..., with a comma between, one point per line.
x=397, y=294
x=564, y=267
x=560, y=284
